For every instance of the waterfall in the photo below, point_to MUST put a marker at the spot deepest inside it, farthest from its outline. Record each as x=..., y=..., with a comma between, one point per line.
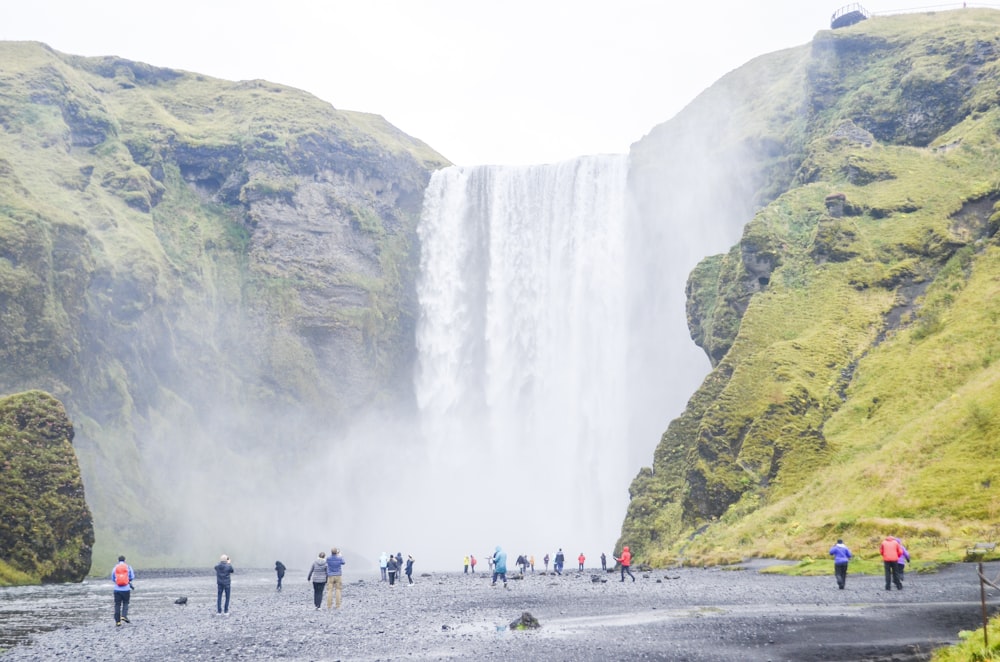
x=523, y=343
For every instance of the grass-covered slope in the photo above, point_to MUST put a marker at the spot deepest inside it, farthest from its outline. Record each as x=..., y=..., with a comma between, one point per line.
x=190, y=263
x=46, y=531
x=853, y=329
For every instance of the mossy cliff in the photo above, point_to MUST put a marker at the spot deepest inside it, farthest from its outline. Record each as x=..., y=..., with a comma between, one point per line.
x=46, y=531
x=193, y=265
x=852, y=331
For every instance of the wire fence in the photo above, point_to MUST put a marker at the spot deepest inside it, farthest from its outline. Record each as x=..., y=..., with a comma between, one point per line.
x=934, y=8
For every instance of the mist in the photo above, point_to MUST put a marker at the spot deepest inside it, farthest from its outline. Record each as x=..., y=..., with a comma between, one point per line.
x=551, y=352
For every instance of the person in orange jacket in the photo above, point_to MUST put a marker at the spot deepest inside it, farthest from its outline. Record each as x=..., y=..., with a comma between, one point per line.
x=626, y=562
x=580, y=559
x=891, y=550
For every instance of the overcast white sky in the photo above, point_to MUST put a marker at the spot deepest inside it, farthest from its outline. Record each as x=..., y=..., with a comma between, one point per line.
x=514, y=82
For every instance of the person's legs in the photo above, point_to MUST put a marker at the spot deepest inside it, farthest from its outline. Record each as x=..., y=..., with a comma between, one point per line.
x=494, y=582
x=338, y=583
x=228, y=588
x=895, y=577
x=126, y=596
x=889, y=565
x=840, y=570
x=118, y=607
x=329, y=592
x=218, y=599
x=318, y=594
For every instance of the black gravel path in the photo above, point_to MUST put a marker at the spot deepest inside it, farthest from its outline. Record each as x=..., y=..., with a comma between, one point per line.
x=677, y=614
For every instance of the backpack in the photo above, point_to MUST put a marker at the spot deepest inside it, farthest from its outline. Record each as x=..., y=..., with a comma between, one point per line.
x=121, y=574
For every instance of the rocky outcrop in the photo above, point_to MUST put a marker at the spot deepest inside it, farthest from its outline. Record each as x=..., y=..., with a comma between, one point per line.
x=46, y=530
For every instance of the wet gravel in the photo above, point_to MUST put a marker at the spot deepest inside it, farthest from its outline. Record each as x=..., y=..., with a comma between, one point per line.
x=677, y=614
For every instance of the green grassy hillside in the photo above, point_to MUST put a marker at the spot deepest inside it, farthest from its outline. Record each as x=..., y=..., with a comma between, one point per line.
x=192, y=266
x=853, y=329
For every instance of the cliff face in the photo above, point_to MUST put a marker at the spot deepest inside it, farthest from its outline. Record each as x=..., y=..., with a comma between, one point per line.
x=46, y=531
x=851, y=329
x=189, y=264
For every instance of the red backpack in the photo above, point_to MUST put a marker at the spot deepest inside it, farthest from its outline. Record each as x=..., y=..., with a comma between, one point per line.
x=121, y=574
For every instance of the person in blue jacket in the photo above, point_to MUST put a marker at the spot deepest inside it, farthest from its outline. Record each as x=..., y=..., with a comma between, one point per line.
x=334, y=577
x=499, y=566
x=122, y=575
x=841, y=556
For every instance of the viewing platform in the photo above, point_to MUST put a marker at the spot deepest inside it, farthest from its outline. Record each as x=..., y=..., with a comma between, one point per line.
x=848, y=15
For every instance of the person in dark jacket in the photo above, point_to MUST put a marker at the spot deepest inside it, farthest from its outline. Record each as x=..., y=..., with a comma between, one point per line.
x=317, y=575
x=223, y=571
x=409, y=569
x=279, y=568
x=559, y=561
x=841, y=556
x=391, y=568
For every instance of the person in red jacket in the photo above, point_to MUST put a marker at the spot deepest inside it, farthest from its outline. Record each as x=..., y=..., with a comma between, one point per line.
x=626, y=562
x=580, y=559
x=891, y=550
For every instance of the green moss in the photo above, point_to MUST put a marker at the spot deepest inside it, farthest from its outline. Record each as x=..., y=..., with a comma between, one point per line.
x=46, y=531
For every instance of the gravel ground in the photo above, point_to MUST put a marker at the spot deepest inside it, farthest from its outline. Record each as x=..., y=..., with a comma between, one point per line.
x=677, y=614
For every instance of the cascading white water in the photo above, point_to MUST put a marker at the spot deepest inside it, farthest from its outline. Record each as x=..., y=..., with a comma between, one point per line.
x=523, y=340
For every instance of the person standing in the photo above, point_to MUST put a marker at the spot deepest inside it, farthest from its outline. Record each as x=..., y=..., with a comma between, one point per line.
x=122, y=575
x=891, y=550
x=531, y=562
x=499, y=566
x=334, y=576
x=604, y=562
x=223, y=582
x=382, y=562
x=391, y=568
x=904, y=558
x=545, y=560
x=580, y=559
x=279, y=568
x=560, y=560
x=317, y=575
x=472, y=563
x=841, y=556
x=409, y=569
x=626, y=563
x=465, y=564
